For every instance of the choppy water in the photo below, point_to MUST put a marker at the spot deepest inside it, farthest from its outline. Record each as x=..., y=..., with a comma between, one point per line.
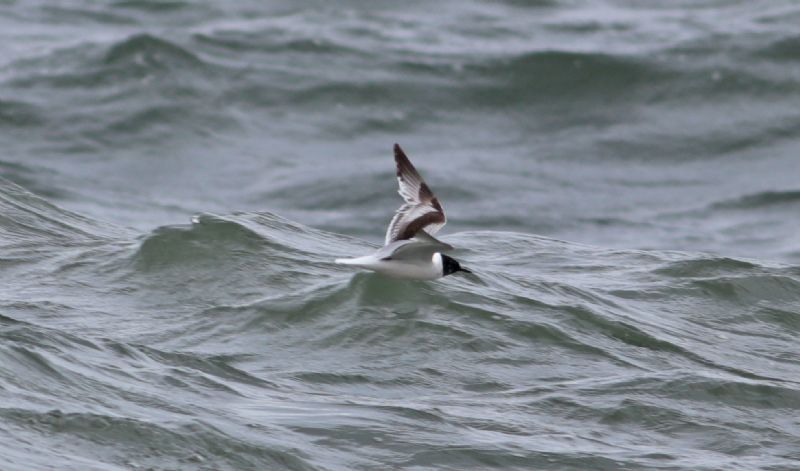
x=621, y=175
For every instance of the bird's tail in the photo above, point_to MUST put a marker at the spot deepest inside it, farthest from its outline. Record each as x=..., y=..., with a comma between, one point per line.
x=353, y=261
x=347, y=261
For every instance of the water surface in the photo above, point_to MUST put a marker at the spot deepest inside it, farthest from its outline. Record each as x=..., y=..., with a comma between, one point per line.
x=177, y=178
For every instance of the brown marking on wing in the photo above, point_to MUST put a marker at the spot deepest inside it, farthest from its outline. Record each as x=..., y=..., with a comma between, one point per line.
x=419, y=224
x=426, y=195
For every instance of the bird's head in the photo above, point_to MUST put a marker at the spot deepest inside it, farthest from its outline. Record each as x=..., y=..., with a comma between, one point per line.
x=451, y=265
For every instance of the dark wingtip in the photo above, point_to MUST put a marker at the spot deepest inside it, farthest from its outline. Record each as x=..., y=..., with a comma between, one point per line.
x=398, y=152
x=465, y=270
x=403, y=164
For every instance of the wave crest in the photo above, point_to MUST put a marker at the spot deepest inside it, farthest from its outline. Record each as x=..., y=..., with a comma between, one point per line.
x=150, y=51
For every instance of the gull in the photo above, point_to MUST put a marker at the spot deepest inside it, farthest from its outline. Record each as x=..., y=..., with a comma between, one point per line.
x=410, y=251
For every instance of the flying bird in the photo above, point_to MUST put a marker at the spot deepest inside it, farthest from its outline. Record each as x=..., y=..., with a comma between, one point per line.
x=410, y=251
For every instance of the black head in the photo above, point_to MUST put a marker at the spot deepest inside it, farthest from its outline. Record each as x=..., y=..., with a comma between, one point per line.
x=450, y=266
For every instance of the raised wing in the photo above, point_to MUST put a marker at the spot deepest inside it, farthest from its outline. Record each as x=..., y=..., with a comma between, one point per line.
x=421, y=211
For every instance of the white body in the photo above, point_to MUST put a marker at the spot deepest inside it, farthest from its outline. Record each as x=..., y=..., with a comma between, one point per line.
x=410, y=250
x=410, y=269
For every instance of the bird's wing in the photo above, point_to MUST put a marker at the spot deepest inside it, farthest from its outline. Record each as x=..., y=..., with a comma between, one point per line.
x=423, y=236
x=409, y=250
x=421, y=211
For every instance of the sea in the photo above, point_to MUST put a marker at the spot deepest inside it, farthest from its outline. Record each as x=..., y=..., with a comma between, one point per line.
x=177, y=177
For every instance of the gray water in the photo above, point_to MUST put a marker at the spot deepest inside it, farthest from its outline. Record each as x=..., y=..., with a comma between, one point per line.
x=177, y=178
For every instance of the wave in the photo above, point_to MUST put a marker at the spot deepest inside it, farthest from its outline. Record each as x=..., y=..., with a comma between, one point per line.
x=760, y=200
x=181, y=442
x=15, y=113
x=244, y=318
x=705, y=267
x=784, y=49
x=140, y=84
x=201, y=241
x=152, y=52
x=166, y=87
x=244, y=233
x=501, y=81
x=549, y=75
x=124, y=61
x=160, y=7
x=26, y=219
x=271, y=40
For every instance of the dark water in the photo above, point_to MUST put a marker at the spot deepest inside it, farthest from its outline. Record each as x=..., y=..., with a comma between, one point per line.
x=622, y=176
